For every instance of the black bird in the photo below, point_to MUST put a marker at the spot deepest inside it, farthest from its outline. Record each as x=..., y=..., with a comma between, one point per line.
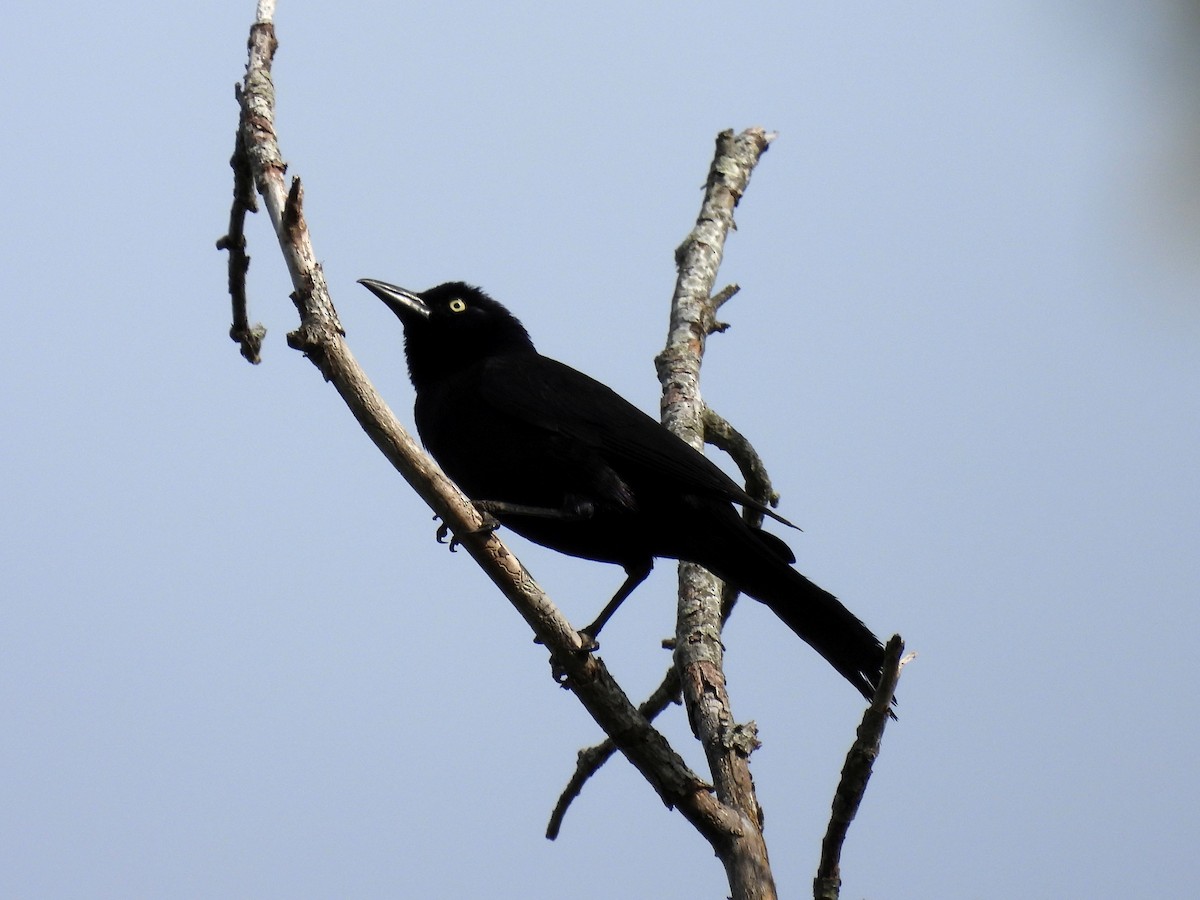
x=561, y=459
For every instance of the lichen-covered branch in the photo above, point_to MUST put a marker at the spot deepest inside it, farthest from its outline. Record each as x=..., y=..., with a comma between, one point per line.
x=857, y=772
x=722, y=435
x=248, y=337
x=698, y=650
x=321, y=339
x=591, y=759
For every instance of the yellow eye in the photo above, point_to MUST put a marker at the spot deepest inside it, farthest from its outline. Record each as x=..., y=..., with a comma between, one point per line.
x=457, y=305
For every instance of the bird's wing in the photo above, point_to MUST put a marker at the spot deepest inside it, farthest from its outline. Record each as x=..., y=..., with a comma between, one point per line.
x=552, y=396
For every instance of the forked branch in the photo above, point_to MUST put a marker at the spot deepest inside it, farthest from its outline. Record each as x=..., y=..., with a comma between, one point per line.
x=320, y=337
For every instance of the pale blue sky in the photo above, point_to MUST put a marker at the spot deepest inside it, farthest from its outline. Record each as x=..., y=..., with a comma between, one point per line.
x=233, y=661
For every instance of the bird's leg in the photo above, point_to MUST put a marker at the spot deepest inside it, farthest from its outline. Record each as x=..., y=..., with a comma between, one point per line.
x=489, y=509
x=573, y=511
x=634, y=576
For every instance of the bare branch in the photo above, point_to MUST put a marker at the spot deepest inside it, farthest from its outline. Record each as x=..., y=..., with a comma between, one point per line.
x=234, y=240
x=591, y=759
x=723, y=436
x=857, y=772
x=716, y=302
x=320, y=337
x=698, y=650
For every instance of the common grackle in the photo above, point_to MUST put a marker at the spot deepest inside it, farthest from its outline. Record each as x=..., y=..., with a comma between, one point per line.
x=561, y=459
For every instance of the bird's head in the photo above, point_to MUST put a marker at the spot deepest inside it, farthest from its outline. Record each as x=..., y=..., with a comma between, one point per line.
x=450, y=327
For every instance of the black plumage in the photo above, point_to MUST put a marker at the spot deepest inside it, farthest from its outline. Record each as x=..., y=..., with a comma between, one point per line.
x=563, y=460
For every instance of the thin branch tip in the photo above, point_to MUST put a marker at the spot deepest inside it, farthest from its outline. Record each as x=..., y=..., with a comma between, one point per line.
x=856, y=772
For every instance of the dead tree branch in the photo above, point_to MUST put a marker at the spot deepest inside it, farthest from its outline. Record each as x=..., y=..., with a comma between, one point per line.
x=245, y=201
x=726, y=813
x=698, y=650
x=591, y=759
x=321, y=339
x=857, y=772
x=723, y=436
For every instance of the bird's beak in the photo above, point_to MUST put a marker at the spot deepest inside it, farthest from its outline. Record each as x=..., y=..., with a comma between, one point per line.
x=405, y=304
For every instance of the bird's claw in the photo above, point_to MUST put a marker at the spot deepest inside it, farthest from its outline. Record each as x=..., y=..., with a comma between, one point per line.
x=559, y=673
x=489, y=524
x=589, y=643
x=443, y=532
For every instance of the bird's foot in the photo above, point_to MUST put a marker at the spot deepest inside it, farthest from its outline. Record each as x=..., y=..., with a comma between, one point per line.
x=490, y=523
x=559, y=671
x=589, y=642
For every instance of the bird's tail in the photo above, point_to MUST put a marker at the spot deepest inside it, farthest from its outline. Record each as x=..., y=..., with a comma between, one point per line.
x=759, y=564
